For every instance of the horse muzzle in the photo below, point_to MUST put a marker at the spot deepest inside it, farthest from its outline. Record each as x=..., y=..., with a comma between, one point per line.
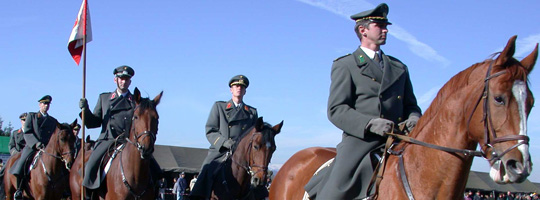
x=510, y=171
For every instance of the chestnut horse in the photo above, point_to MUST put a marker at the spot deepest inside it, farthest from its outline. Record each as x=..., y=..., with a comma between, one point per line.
x=247, y=167
x=129, y=173
x=486, y=104
x=49, y=176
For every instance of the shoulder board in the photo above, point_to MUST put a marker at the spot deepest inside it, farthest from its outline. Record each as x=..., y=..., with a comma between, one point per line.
x=341, y=57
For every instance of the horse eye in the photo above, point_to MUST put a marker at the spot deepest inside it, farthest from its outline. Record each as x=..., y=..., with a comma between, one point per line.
x=499, y=100
x=256, y=147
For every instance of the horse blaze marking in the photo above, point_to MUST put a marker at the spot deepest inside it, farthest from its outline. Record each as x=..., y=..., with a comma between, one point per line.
x=519, y=89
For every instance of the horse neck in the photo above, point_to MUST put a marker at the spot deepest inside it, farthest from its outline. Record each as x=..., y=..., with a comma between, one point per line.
x=240, y=160
x=446, y=126
x=52, y=163
x=132, y=160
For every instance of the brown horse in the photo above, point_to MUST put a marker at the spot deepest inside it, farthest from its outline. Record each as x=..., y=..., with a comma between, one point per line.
x=129, y=173
x=247, y=167
x=487, y=104
x=75, y=178
x=49, y=178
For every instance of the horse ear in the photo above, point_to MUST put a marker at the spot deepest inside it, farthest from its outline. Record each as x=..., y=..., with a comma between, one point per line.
x=259, y=124
x=277, y=128
x=529, y=61
x=137, y=95
x=157, y=99
x=508, y=52
x=73, y=124
x=87, y=138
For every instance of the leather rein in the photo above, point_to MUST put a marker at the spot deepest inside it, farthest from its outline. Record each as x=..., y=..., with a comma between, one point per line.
x=489, y=132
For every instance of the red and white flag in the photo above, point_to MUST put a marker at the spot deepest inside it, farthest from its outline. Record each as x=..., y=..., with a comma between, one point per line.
x=81, y=28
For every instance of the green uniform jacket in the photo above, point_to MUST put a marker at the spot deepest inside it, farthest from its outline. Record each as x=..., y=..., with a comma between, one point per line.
x=361, y=91
x=16, y=141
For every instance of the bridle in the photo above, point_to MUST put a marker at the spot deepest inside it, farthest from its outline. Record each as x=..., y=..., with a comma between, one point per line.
x=139, y=136
x=138, y=145
x=490, y=139
x=489, y=130
x=248, y=167
x=143, y=155
x=60, y=157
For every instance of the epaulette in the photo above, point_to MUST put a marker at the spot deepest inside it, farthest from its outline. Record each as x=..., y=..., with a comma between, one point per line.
x=341, y=57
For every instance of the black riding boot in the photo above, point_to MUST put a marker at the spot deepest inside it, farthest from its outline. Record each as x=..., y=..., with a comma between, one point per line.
x=88, y=194
x=18, y=193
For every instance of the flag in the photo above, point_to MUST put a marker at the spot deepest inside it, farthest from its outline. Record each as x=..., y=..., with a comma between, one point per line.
x=80, y=29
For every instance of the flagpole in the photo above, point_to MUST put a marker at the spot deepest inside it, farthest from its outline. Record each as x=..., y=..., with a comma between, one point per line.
x=82, y=116
x=83, y=96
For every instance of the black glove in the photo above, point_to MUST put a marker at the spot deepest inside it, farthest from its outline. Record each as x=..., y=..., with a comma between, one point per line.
x=83, y=104
x=228, y=143
x=410, y=123
x=380, y=126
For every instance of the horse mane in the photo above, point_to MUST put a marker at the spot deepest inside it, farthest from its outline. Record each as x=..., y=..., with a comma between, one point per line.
x=64, y=126
x=145, y=104
x=514, y=69
x=266, y=137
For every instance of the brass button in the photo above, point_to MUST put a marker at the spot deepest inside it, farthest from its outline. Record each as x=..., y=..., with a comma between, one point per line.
x=373, y=79
x=230, y=126
x=398, y=97
x=382, y=116
x=399, y=119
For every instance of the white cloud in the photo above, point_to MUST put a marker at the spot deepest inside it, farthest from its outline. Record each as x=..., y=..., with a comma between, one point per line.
x=526, y=45
x=347, y=8
x=425, y=100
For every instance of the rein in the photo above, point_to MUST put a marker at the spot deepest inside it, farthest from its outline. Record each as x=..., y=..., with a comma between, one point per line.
x=248, y=167
x=489, y=130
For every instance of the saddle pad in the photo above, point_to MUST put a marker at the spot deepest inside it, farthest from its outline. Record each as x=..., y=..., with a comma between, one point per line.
x=34, y=161
x=109, y=162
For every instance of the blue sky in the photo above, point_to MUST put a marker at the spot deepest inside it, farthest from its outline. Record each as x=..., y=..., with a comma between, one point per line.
x=190, y=50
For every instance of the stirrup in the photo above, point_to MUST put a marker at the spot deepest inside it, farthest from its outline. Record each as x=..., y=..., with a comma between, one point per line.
x=18, y=194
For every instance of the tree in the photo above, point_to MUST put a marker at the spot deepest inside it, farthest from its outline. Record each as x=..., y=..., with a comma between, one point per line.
x=5, y=131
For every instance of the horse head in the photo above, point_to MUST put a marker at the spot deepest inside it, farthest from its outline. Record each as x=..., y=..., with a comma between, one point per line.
x=499, y=124
x=258, y=150
x=62, y=143
x=144, y=126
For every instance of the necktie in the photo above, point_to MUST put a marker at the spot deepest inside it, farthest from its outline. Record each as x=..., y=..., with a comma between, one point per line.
x=378, y=60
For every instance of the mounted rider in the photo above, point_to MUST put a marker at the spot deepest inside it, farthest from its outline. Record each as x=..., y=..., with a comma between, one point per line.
x=38, y=129
x=113, y=113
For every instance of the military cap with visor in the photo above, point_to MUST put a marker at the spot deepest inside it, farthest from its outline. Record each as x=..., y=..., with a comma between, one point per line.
x=23, y=116
x=124, y=71
x=377, y=15
x=45, y=99
x=239, y=80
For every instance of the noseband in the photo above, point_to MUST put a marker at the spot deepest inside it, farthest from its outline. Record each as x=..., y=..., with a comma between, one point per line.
x=142, y=136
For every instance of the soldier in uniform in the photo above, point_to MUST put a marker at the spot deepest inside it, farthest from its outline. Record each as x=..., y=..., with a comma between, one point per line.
x=76, y=130
x=16, y=141
x=226, y=122
x=113, y=113
x=38, y=129
x=369, y=93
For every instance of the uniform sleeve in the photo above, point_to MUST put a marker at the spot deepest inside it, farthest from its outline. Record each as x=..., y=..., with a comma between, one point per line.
x=341, y=101
x=29, y=131
x=212, y=128
x=94, y=120
x=12, y=143
x=410, y=104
